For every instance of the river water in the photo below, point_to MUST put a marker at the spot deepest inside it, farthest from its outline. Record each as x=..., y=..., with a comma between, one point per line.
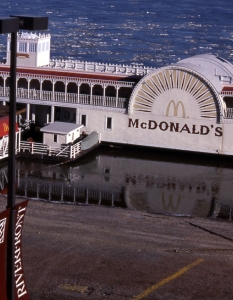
x=153, y=33
x=163, y=182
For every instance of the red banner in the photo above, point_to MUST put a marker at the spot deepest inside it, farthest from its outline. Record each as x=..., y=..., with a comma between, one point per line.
x=4, y=126
x=4, y=219
x=20, y=285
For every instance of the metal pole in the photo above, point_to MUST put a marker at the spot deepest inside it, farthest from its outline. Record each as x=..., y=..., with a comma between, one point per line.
x=11, y=172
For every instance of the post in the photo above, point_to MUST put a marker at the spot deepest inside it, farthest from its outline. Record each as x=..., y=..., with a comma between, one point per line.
x=11, y=170
x=12, y=25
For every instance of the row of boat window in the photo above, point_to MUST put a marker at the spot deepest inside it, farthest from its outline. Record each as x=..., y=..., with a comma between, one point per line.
x=83, y=118
x=24, y=47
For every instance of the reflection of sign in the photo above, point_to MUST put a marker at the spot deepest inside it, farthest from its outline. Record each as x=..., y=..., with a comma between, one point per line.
x=4, y=217
x=170, y=205
x=20, y=285
x=176, y=108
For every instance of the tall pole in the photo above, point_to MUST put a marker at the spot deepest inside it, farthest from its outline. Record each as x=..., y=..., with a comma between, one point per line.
x=12, y=25
x=11, y=171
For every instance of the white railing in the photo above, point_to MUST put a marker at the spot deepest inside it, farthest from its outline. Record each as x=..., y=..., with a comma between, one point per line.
x=4, y=145
x=75, y=149
x=3, y=153
x=67, y=151
x=135, y=69
x=74, y=98
x=33, y=148
x=60, y=191
x=228, y=113
x=7, y=92
x=62, y=152
x=84, y=99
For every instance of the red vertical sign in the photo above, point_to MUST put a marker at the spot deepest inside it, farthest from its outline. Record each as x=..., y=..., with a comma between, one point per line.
x=4, y=218
x=21, y=292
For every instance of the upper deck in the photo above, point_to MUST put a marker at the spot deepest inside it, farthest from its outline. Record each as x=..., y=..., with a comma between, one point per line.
x=79, y=69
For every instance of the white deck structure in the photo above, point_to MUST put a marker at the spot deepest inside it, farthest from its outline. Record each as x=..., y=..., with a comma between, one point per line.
x=186, y=106
x=58, y=133
x=32, y=49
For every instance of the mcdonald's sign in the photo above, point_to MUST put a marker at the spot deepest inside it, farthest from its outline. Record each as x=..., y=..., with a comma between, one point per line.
x=176, y=111
x=4, y=126
x=176, y=127
x=168, y=203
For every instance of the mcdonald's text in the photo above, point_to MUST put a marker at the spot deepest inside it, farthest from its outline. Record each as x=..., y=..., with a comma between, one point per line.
x=175, y=127
x=5, y=127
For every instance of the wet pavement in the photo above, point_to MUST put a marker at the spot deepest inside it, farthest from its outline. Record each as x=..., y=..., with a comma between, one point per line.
x=97, y=252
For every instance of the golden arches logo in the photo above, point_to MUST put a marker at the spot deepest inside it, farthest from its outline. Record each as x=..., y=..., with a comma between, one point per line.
x=176, y=108
x=168, y=202
x=5, y=127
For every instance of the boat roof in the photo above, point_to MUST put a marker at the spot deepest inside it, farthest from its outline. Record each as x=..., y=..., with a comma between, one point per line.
x=47, y=71
x=60, y=127
x=215, y=69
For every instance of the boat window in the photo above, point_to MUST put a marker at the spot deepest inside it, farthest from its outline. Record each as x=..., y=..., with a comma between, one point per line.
x=229, y=102
x=32, y=47
x=22, y=47
x=109, y=123
x=66, y=115
x=55, y=138
x=83, y=120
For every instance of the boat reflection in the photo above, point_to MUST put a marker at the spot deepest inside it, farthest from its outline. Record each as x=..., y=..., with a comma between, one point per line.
x=140, y=182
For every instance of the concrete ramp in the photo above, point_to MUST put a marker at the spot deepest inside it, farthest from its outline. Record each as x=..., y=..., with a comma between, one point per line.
x=89, y=141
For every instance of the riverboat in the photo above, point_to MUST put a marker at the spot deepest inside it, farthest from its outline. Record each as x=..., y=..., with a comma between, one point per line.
x=184, y=106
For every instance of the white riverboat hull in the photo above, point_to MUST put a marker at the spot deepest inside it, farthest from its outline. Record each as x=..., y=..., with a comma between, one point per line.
x=186, y=106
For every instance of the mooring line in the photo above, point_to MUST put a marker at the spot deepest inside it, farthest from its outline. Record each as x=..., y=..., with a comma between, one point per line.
x=166, y=280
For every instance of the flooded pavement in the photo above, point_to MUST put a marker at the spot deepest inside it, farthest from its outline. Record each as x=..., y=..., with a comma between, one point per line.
x=177, y=184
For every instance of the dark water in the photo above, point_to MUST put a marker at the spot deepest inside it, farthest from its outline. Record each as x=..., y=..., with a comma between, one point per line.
x=142, y=179
x=154, y=33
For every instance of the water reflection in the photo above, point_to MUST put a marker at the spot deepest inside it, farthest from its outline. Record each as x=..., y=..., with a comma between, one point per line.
x=136, y=179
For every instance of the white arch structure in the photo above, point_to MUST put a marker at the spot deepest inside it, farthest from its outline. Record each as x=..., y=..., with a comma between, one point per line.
x=196, y=83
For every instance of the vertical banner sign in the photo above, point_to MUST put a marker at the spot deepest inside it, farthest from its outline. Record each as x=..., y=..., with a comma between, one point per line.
x=4, y=219
x=21, y=292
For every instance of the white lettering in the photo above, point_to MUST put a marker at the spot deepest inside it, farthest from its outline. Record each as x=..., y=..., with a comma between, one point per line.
x=21, y=292
x=19, y=277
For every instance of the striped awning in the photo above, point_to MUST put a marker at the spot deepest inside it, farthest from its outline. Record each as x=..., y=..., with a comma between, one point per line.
x=227, y=90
